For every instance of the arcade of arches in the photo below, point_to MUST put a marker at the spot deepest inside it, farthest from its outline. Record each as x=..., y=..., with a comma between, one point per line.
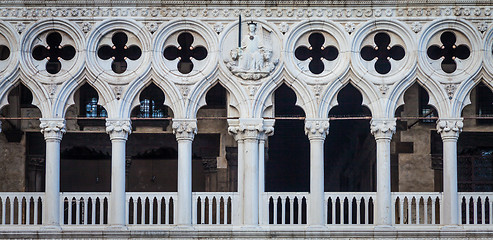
x=240, y=114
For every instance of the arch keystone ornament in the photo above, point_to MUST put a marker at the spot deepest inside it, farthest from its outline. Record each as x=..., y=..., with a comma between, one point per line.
x=255, y=57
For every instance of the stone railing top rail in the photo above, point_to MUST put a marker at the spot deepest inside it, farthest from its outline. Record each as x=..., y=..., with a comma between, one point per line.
x=270, y=3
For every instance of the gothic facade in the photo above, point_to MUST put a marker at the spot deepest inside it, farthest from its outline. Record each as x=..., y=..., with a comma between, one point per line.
x=69, y=68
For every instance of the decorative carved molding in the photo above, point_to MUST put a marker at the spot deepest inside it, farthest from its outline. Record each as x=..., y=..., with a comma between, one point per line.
x=383, y=128
x=184, y=129
x=118, y=129
x=53, y=129
x=250, y=129
x=317, y=128
x=450, y=129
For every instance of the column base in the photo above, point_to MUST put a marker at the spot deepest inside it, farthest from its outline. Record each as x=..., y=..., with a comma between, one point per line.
x=117, y=228
x=55, y=228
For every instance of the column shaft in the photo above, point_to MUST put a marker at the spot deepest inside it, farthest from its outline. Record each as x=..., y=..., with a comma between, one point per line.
x=383, y=199
x=118, y=198
x=383, y=129
x=53, y=130
x=317, y=198
x=52, y=189
x=261, y=180
x=251, y=182
x=450, y=192
x=184, y=182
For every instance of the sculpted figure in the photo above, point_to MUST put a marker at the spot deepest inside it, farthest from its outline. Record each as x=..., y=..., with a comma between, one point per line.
x=251, y=61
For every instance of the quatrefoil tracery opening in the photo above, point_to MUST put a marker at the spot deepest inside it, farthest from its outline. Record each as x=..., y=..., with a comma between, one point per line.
x=4, y=52
x=316, y=52
x=54, y=52
x=185, y=52
x=383, y=52
x=448, y=52
x=119, y=52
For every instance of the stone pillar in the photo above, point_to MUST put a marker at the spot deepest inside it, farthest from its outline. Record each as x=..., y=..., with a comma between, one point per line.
x=449, y=129
x=317, y=130
x=118, y=129
x=383, y=129
x=185, y=130
x=53, y=130
x=249, y=131
x=268, y=131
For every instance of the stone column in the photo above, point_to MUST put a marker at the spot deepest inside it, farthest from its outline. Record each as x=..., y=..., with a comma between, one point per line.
x=118, y=129
x=317, y=130
x=185, y=130
x=268, y=131
x=53, y=130
x=383, y=129
x=449, y=129
x=249, y=131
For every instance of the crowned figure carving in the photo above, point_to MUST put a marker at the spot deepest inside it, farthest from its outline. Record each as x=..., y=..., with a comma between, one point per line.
x=251, y=60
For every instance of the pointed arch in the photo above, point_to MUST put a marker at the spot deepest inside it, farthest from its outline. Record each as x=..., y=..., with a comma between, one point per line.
x=238, y=97
x=463, y=94
x=172, y=96
x=304, y=96
x=436, y=94
x=65, y=97
x=371, y=98
x=41, y=97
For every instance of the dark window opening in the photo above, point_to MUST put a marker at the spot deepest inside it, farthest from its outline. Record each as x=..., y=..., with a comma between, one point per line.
x=426, y=110
x=216, y=97
x=89, y=103
x=287, y=168
x=349, y=151
x=151, y=106
x=316, y=52
x=484, y=103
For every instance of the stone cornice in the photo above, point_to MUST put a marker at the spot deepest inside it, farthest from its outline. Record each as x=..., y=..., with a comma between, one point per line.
x=249, y=3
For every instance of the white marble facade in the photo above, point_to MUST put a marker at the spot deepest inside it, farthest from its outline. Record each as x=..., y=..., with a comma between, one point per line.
x=275, y=44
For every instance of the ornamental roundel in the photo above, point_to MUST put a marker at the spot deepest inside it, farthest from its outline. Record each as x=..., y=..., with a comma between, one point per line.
x=383, y=52
x=488, y=51
x=118, y=51
x=318, y=51
x=450, y=53
x=185, y=51
x=250, y=51
x=53, y=51
x=6, y=54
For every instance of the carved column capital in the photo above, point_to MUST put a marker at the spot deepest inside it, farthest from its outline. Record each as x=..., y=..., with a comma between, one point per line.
x=118, y=129
x=250, y=128
x=52, y=128
x=382, y=128
x=184, y=129
x=450, y=129
x=316, y=128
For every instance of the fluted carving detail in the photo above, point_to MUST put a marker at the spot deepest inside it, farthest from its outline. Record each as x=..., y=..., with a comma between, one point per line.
x=184, y=129
x=317, y=128
x=52, y=129
x=118, y=128
x=382, y=128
